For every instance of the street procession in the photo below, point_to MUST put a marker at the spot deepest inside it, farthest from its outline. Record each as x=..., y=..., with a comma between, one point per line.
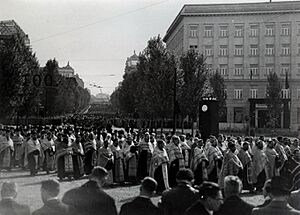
x=202, y=120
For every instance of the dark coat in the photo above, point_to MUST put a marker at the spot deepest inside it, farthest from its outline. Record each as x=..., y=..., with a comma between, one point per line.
x=196, y=209
x=234, y=205
x=11, y=207
x=52, y=207
x=138, y=206
x=178, y=199
x=276, y=208
x=90, y=199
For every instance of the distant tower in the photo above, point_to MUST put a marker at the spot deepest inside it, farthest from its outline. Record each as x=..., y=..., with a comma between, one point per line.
x=131, y=63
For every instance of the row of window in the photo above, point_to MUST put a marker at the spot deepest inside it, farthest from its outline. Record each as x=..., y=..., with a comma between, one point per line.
x=239, y=115
x=253, y=51
x=254, y=69
x=239, y=29
x=238, y=94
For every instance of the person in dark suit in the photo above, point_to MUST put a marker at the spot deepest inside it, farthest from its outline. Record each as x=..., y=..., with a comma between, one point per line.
x=179, y=198
x=8, y=205
x=142, y=204
x=90, y=199
x=52, y=205
x=233, y=204
x=210, y=200
x=279, y=194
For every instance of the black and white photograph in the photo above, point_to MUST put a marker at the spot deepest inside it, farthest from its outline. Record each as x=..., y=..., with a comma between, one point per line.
x=149, y=107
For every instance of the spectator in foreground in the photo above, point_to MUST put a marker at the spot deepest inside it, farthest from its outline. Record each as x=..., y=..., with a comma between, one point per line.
x=278, y=206
x=233, y=204
x=179, y=198
x=142, y=204
x=52, y=205
x=8, y=205
x=90, y=199
x=294, y=200
x=210, y=200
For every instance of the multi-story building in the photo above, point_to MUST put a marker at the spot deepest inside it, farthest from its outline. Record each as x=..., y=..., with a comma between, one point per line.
x=245, y=42
x=10, y=28
x=69, y=72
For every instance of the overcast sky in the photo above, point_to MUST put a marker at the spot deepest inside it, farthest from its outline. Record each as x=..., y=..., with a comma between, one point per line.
x=96, y=36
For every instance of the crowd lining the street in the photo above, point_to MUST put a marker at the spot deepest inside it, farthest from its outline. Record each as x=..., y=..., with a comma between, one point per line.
x=183, y=169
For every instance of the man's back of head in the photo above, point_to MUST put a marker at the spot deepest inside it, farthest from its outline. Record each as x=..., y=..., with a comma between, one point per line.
x=184, y=175
x=99, y=174
x=49, y=189
x=148, y=187
x=279, y=188
x=232, y=186
x=9, y=190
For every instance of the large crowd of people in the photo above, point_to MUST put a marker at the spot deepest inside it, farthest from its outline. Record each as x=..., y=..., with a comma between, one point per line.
x=182, y=168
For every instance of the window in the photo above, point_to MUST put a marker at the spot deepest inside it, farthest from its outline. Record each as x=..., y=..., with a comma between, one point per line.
x=285, y=49
x=224, y=69
x=298, y=48
x=285, y=93
x=208, y=31
x=193, y=47
x=269, y=49
x=238, y=114
x=223, y=50
x=298, y=28
x=222, y=114
x=298, y=74
x=253, y=70
x=238, y=31
x=269, y=69
x=238, y=94
x=208, y=51
x=238, y=50
x=298, y=93
x=285, y=68
x=253, y=30
x=193, y=30
x=238, y=70
x=253, y=93
x=253, y=50
x=285, y=29
x=223, y=31
x=270, y=30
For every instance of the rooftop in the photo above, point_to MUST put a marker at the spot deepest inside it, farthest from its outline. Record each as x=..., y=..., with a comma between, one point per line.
x=233, y=9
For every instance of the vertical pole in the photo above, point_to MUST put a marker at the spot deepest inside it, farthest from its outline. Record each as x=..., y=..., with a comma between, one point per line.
x=174, y=101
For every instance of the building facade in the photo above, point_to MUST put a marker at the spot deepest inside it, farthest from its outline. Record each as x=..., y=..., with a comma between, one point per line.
x=69, y=72
x=245, y=42
x=10, y=28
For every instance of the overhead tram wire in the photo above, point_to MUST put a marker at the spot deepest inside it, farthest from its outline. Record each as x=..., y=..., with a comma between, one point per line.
x=99, y=21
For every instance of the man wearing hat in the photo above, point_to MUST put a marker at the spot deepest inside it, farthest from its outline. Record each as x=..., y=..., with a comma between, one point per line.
x=280, y=193
x=90, y=199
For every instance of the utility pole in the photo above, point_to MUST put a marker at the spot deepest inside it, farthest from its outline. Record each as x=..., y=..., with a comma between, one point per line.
x=174, y=101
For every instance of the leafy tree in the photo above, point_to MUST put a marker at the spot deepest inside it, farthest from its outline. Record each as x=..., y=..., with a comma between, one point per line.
x=218, y=91
x=17, y=66
x=273, y=97
x=193, y=76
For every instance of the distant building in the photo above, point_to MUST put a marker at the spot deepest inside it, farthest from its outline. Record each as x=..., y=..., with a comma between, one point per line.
x=10, y=28
x=69, y=72
x=131, y=63
x=245, y=42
